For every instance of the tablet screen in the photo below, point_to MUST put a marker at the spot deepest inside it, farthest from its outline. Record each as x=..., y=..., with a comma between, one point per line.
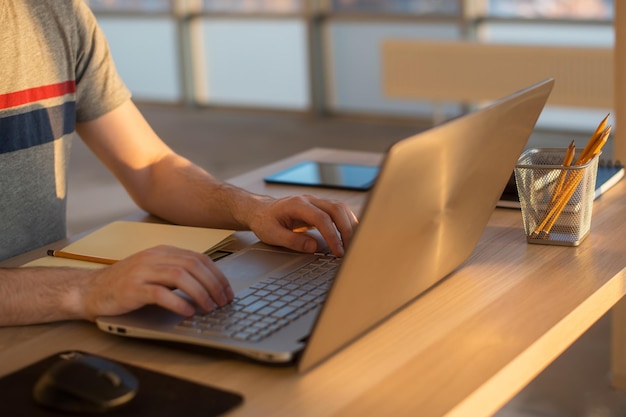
x=324, y=174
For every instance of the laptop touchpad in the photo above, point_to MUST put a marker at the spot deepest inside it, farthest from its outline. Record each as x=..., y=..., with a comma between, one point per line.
x=249, y=266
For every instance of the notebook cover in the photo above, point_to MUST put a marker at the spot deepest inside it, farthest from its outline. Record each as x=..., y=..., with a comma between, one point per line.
x=120, y=239
x=158, y=395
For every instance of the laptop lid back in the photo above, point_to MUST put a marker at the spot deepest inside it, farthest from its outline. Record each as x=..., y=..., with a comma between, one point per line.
x=425, y=214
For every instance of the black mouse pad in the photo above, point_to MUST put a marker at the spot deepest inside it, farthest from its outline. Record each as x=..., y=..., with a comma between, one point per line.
x=158, y=394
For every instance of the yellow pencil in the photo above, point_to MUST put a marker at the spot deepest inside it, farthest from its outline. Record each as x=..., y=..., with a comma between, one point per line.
x=568, y=192
x=75, y=256
x=594, y=138
x=596, y=147
x=567, y=161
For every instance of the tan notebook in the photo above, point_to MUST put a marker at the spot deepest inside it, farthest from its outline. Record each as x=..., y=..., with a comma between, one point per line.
x=121, y=239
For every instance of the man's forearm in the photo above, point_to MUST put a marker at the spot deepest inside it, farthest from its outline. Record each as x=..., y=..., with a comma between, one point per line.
x=36, y=295
x=184, y=193
x=160, y=181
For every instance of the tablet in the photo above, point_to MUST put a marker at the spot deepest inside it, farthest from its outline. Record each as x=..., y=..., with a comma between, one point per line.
x=326, y=174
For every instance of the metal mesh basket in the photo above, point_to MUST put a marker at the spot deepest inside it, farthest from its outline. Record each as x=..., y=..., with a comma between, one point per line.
x=556, y=201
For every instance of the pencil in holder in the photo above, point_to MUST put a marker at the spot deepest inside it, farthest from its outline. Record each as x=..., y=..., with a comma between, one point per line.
x=556, y=200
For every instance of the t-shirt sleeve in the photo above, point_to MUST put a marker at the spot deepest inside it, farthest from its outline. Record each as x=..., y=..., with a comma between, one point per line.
x=99, y=88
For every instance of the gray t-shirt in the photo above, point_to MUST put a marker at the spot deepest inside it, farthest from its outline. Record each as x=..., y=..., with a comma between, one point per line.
x=55, y=70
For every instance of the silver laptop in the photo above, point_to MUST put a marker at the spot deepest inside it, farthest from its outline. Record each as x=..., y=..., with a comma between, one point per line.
x=423, y=218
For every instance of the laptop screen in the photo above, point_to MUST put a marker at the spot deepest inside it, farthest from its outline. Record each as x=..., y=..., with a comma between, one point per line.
x=424, y=216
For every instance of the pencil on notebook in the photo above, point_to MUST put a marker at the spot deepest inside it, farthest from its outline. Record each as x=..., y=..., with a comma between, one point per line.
x=75, y=256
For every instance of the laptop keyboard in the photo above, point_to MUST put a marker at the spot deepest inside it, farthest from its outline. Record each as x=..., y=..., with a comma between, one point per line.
x=268, y=305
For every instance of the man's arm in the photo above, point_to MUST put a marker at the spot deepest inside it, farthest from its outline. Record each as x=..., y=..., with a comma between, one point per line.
x=37, y=295
x=171, y=187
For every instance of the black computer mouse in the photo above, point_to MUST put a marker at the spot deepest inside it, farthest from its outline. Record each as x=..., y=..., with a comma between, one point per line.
x=85, y=384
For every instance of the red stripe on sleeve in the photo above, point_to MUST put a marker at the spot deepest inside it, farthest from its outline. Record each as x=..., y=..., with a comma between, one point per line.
x=32, y=95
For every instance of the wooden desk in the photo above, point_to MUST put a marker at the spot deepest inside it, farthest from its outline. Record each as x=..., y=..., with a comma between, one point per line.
x=462, y=349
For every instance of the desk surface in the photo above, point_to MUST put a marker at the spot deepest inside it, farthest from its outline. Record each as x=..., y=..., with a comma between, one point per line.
x=462, y=349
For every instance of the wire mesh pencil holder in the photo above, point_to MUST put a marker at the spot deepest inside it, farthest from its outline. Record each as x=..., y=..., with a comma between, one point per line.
x=556, y=201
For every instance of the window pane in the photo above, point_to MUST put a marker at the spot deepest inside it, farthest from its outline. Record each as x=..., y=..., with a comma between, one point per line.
x=146, y=55
x=256, y=62
x=398, y=6
x=247, y=6
x=553, y=9
x=355, y=69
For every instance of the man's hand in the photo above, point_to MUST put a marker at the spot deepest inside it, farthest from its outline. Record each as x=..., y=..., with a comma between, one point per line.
x=149, y=277
x=276, y=222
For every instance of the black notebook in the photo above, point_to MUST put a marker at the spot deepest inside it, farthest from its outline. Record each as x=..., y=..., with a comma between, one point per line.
x=609, y=173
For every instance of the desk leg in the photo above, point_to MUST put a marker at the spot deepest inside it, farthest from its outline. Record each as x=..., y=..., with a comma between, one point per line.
x=618, y=345
x=619, y=78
